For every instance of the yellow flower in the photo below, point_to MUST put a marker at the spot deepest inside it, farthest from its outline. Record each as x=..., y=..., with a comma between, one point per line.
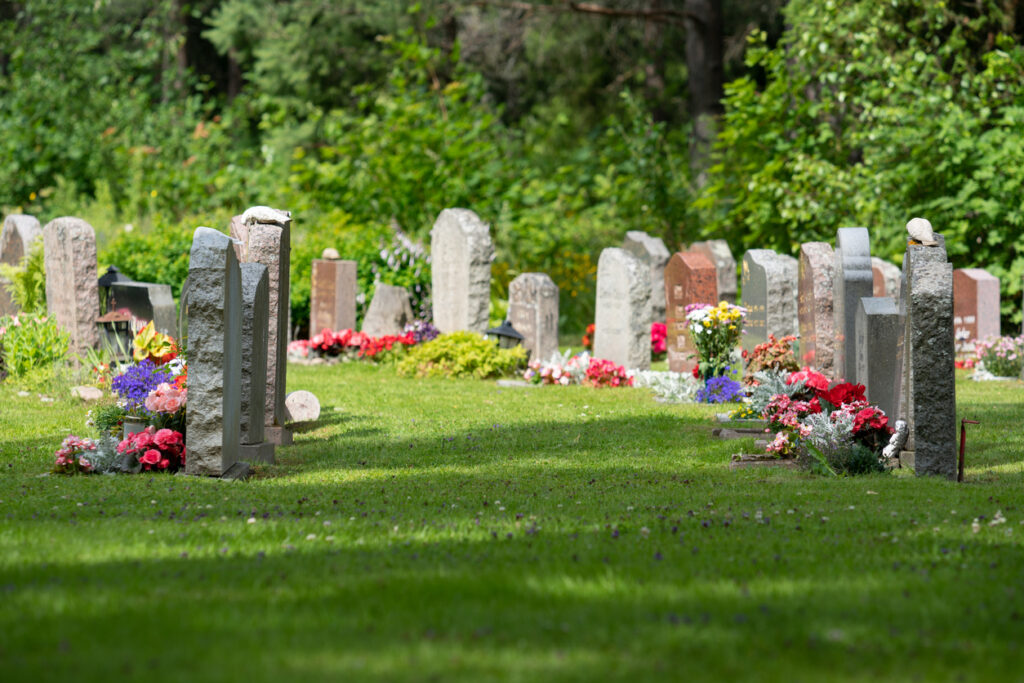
x=32, y=196
x=152, y=193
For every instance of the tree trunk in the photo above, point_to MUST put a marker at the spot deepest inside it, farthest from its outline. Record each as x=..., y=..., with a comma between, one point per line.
x=704, y=47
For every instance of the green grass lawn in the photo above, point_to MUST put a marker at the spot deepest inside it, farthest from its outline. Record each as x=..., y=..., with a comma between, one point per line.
x=455, y=530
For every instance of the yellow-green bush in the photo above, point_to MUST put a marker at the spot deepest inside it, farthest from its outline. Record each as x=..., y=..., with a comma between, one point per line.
x=461, y=354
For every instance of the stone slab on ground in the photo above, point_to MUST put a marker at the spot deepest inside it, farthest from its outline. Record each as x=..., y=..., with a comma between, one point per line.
x=302, y=406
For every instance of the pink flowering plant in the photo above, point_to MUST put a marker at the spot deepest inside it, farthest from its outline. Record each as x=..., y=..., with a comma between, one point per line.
x=605, y=373
x=152, y=449
x=1001, y=356
x=166, y=406
x=659, y=337
x=73, y=456
x=561, y=369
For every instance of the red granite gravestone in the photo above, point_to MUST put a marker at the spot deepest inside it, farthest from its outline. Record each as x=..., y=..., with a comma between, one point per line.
x=690, y=278
x=975, y=307
x=333, y=296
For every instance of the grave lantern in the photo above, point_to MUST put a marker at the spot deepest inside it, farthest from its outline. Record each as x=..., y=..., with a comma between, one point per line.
x=506, y=336
x=112, y=276
x=116, y=332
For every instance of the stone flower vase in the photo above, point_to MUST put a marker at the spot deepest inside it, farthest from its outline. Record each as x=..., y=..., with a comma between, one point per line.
x=132, y=425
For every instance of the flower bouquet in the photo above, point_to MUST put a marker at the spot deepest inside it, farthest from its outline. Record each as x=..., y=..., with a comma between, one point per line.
x=160, y=450
x=715, y=331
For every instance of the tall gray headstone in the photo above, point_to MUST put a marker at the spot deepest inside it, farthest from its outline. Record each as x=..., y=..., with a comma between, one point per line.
x=332, y=300
x=264, y=236
x=145, y=302
x=461, y=252
x=72, y=292
x=255, y=284
x=852, y=281
x=389, y=311
x=622, y=322
x=533, y=312
x=926, y=398
x=18, y=235
x=653, y=252
x=215, y=358
x=718, y=252
x=878, y=327
x=817, y=335
x=769, y=295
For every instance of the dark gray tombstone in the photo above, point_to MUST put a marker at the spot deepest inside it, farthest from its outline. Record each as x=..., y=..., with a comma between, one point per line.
x=878, y=328
x=817, y=327
x=215, y=356
x=389, y=311
x=622, y=319
x=255, y=283
x=533, y=312
x=770, y=296
x=852, y=281
x=145, y=301
x=18, y=235
x=653, y=252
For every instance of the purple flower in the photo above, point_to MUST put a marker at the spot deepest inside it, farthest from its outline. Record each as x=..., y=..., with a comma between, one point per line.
x=720, y=389
x=422, y=331
x=134, y=384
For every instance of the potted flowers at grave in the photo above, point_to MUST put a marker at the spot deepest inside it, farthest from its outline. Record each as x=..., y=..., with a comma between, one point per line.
x=715, y=331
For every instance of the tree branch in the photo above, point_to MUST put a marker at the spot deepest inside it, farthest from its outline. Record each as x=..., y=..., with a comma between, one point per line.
x=667, y=16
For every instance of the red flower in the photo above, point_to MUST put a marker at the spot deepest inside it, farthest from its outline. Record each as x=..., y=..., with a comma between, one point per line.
x=844, y=393
x=150, y=457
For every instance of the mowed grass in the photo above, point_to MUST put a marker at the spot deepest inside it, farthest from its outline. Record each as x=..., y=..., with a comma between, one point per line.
x=439, y=530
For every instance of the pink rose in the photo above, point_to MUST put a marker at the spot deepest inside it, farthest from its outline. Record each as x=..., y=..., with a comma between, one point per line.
x=171, y=404
x=167, y=438
x=85, y=464
x=150, y=457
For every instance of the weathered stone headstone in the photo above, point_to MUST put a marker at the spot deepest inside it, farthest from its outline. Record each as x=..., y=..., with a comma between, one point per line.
x=925, y=360
x=264, y=236
x=653, y=252
x=769, y=295
x=302, y=406
x=622, y=322
x=255, y=284
x=533, y=312
x=690, y=278
x=215, y=356
x=852, y=280
x=16, y=238
x=885, y=278
x=461, y=252
x=817, y=335
x=145, y=301
x=72, y=292
x=332, y=301
x=975, y=307
x=878, y=328
x=719, y=253
x=389, y=311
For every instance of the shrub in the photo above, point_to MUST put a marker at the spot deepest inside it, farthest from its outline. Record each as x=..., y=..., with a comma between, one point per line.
x=26, y=283
x=29, y=342
x=461, y=354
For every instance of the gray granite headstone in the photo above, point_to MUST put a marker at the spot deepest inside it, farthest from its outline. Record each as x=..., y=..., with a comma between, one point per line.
x=16, y=238
x=461, y=251
x=533, y=312
x=255, y=327
x=653, y=252
x=718, y=252
x=332, y=300
x=146, y=301
x=817, y=335
x=264, y=236
x=72, y=291
x=389, y=311
x=770, y=296
x=214, y=351
x=926, y=398
x=877, y=338
x=852, y=281
x=885, y=278
x=622, y=322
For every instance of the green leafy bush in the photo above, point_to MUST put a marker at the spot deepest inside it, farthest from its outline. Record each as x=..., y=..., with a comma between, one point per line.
x=29, y=342
x=461, y=354
x=26, y=283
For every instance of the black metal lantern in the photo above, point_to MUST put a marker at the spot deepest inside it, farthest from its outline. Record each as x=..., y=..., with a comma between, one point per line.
x=506, y=336
x=112, y=276
x=116, y=331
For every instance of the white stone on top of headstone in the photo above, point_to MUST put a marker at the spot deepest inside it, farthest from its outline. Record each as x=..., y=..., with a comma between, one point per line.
x=72, y=291
x=622, y=322
x=389, y=311
x=533, y=312
x=725, y=266
x=302, y=406
x=653, y=252
x=18, y=235
x=330, y=254
x=215, y=359
x=852, y=281
x=461, y=252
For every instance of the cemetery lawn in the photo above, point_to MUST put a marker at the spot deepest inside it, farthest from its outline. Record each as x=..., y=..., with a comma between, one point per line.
x=455, y=530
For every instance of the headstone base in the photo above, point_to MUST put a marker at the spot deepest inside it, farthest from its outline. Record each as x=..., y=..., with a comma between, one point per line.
x=257, y=453
x=279, y=436
x=907, y=460
x=239, y=471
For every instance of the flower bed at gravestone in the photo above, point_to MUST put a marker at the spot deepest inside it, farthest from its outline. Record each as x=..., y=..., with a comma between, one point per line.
x=566, y=369
x=346, y=345
x=997, y=358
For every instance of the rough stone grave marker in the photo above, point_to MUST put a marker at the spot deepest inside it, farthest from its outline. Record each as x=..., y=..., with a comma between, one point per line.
x=145, y=301
x=877, y=338
x=18, y=235
x=72, y=291
x=852, y=281
x=215, y=357
x=263, y=236
x=926, y=398
x=769, y=295
x=332, y=302
x=690, y=278
x=817, y=327
x=461, y=252
x=885, y=278
x=255, y=294
x=653, y=252
x=533, y=312
x=719, y=253
x=975, y=307
x=389, y=311
x=622, y=323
